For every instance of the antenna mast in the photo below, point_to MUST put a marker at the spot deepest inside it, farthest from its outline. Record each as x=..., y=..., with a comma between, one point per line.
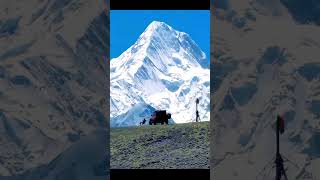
x=280, y=171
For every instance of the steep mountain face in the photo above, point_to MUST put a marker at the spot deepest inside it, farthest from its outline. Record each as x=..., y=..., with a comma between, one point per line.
x=304, y=12
x=164, y=69
x=52, y=80
x=264, y=63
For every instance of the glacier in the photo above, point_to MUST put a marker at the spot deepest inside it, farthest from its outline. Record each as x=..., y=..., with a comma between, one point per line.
x=164, y=69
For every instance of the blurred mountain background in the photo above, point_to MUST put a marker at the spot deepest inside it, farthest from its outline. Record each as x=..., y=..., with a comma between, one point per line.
x=266, y=61
x=53, y=86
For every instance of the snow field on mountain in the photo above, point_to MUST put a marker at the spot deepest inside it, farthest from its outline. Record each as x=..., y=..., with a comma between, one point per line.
x=163, y=69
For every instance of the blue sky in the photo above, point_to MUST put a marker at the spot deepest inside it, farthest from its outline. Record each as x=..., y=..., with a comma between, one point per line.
x=127, y=25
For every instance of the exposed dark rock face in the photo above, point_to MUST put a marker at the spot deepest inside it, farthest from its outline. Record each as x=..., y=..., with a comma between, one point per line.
x=304, y=12
x=220, y=71
x=244, y=93
x=310, y=71
x=271, y=55
x=314, y=145
x=9, y=26
x=20, y=80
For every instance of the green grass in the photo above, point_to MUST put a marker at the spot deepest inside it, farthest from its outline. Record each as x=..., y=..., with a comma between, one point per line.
x=162, y=146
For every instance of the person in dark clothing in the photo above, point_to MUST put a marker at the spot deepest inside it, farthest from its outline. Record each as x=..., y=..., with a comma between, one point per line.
x=197, y=116
x=197, y=112
x=143, y=122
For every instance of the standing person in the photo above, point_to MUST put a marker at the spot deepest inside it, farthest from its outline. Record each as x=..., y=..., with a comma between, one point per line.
x=198, y=117
x=197, y=112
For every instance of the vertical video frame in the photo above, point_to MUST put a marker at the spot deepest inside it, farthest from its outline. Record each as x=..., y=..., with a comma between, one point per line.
x=159, y=89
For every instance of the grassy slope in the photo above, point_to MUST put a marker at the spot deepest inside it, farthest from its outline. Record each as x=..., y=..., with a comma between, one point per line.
x=162, y=146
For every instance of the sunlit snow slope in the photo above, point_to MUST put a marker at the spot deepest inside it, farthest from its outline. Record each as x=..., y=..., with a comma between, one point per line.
x=164, y=69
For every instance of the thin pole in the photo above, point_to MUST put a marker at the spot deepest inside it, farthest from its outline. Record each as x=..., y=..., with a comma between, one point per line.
x=278, y=130
x=196, y=112
x=278, y=175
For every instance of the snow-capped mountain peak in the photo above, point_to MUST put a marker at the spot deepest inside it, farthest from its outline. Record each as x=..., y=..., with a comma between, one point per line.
x=160, y=45
x=156, y=26
x=161, y=69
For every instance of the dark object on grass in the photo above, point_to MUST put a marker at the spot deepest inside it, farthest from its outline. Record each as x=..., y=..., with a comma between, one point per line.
x=160, y=116
x=143, y=122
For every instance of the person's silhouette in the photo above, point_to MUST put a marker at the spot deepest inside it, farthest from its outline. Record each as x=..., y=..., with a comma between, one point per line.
x=197, y=116
x=143, y=122
x=197, y=112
